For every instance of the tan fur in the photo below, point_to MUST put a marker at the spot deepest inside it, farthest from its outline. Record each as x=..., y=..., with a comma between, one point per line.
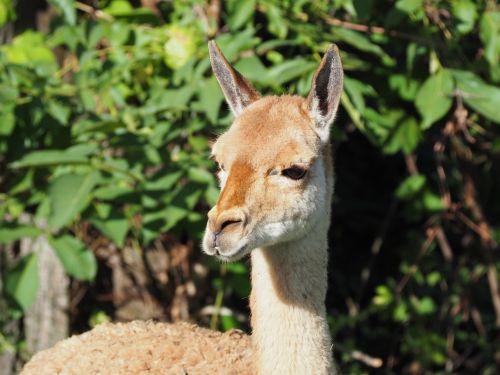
x=146, y=348
x=281, y=221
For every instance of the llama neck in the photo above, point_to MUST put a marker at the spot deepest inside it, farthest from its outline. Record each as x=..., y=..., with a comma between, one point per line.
x=290, y=331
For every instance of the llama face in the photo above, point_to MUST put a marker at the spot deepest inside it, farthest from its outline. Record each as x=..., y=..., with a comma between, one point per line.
x=272, y=176
x=272, y=171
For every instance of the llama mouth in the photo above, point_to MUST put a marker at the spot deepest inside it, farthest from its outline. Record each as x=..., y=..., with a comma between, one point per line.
x=234, y=255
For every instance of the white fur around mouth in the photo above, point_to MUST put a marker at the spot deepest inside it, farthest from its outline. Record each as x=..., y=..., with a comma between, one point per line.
x=235, y=255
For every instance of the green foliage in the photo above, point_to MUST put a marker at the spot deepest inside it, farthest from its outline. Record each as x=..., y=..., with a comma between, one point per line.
x=7, y=12
x=434, y=99
x=106, y=122
x=67, y=8
x=21, y=283
x=77, y=260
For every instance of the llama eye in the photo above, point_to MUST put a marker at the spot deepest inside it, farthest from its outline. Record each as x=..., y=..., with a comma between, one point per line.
x=295, y=172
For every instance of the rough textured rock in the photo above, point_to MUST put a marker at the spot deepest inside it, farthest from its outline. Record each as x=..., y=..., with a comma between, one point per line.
x=147, y=348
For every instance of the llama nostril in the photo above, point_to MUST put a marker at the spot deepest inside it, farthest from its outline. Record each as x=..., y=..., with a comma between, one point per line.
x=228, y=223
x=227, y=219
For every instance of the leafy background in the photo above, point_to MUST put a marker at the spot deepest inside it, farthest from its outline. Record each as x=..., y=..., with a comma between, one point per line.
x=107, y=111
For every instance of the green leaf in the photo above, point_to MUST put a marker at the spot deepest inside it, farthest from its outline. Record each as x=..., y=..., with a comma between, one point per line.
x=411, y=7
x=112, y=223
x=406, y=86
x=404, y=137
x=78, y=261
x=67, y=7
x=48, y=157
x=45, y=158
x=238, y=268
x=59, y=111
x=228, y=322
x=112, y=192
x=119, y=8
x=10, y=232
x=211, y=194
x=361, y=42
x=69, y=194
x=465, y=11
x=252, y=68
x=279, y=74
x=21, y=282
x=478, y=94
x=29, y=48
x=7, y=123
x=434, y=99
x=411, y=186
x=173, y=215
x=7, y=13
x=383, y=296
x=233, y=44
x=168, y=99
x=211, y=98
x=200, y=175
x=356, y=91
x=363, y=8
x=400, y=313
x=180, y=46
x=432, y=202
x=277, y=24
x=490, y=35
x=244, y=9
x=164, y=182
x=423, y=306
x=433, y=278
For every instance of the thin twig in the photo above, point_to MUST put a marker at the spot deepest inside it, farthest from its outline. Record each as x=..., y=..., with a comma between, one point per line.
x=360, y=356
x=411, y=164
x=484, y=231
x=440, y=236
x=431, y=235
x=444, y=245
x=374, y=30
x=93, y=12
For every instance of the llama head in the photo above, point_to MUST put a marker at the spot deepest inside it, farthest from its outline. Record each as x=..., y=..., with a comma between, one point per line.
x=272, y=170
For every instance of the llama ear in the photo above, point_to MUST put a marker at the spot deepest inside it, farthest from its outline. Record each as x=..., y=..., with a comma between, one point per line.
x=326, y=90
x=238, y=91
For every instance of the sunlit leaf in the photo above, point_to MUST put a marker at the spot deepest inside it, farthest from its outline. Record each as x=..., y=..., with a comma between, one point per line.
x=77, y=260
x=411, y=186
x=21, y=281
x=69, y=194
x=434, y=99
x=478, y=94
x=279, y=74
x=10, y=232
x=490, y=35
x=67, y=7
x=243, y=10
x=112, y=223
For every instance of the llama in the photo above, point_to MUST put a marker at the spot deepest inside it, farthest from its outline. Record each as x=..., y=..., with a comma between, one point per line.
x=276, y=179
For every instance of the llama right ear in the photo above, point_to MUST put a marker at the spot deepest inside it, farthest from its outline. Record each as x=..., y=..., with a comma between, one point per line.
x=324, y=97
x=238, y=91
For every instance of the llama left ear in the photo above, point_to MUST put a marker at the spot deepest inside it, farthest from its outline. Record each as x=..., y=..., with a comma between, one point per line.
x=324, y=97
x=238, y=91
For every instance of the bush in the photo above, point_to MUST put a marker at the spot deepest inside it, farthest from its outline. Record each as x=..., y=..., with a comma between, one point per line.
x=106, y=121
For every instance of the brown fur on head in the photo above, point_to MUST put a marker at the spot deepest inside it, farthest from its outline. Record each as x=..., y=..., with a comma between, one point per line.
x=274, y=179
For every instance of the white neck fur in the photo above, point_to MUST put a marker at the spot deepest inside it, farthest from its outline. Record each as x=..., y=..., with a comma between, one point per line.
x=289, y=283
